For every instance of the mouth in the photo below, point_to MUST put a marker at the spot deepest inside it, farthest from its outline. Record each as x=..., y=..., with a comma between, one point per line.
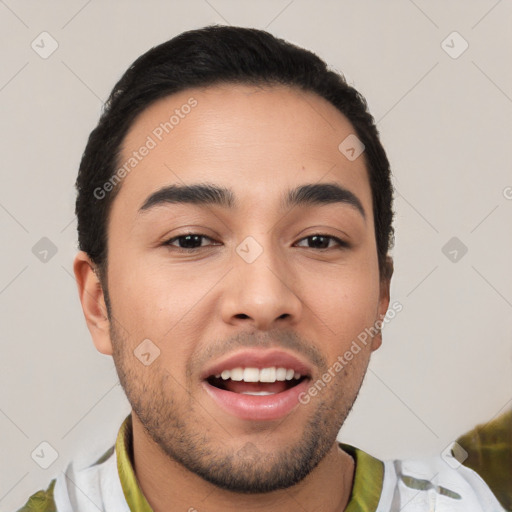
x=257, y=381
x=257, y=386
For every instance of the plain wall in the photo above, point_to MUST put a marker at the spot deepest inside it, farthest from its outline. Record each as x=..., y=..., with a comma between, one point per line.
x=446, y=361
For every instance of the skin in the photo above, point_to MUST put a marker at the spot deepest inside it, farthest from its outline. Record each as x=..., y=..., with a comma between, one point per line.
x=200, y=306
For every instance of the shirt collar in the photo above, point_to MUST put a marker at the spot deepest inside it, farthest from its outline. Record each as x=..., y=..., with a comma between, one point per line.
x=124, y=452
x=366, y=488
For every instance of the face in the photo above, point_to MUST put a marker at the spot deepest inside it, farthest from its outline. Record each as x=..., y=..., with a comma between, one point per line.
x=243, y=282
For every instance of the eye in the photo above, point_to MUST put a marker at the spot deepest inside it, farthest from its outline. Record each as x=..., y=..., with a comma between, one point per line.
x=319, y=241
x=191, y=242
x=188, y=242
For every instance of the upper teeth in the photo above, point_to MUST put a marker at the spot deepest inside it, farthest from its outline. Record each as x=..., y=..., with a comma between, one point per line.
x=259, y=375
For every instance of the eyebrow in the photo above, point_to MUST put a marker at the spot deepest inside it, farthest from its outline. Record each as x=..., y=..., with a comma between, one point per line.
x=209, y=194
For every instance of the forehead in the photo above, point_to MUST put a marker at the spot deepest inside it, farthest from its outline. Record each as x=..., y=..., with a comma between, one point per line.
x=254, y=140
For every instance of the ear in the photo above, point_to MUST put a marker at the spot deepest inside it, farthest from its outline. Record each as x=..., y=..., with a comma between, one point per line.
x=385, y=284
x=91, y=296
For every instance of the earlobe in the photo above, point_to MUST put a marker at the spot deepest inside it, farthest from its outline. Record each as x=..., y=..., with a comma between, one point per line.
x=92, y=299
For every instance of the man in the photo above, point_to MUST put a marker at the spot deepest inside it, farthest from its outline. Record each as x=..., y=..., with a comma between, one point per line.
x=234, y=218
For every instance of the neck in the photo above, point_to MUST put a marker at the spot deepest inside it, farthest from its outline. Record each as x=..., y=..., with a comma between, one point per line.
x=169, y=487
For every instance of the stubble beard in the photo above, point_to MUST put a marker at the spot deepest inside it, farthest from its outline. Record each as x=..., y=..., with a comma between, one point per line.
x=183, y=431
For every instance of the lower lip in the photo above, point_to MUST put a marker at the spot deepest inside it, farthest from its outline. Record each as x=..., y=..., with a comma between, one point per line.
x=252, y=407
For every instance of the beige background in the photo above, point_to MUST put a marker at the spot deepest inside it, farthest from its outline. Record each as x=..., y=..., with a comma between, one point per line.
x=446, y=362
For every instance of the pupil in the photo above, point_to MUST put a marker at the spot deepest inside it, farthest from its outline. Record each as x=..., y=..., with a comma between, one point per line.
x=321, y=238
x=190, y=241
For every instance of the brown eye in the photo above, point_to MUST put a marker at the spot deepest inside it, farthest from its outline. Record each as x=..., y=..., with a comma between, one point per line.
x=319, y=241
x=187, y=242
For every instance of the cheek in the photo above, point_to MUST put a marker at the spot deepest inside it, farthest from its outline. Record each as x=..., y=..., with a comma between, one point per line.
x=145, y=294
x=158, y=303
x=347, y=304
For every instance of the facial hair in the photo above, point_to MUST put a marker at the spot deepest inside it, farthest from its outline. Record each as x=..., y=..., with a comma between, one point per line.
x=182, y=429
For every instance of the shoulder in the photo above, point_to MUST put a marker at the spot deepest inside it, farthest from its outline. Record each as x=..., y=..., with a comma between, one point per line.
x=487, y=449
x=435, y=483
x=61, y=497
x=41, y=501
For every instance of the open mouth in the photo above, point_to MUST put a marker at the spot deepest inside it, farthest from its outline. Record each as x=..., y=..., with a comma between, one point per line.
x=257, y=381
x=257, y=385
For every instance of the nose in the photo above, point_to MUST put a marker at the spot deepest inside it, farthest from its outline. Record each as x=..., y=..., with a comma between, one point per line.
x=261, y=293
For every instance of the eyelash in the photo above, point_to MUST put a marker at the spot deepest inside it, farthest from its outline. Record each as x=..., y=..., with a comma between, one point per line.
x=341, y=243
